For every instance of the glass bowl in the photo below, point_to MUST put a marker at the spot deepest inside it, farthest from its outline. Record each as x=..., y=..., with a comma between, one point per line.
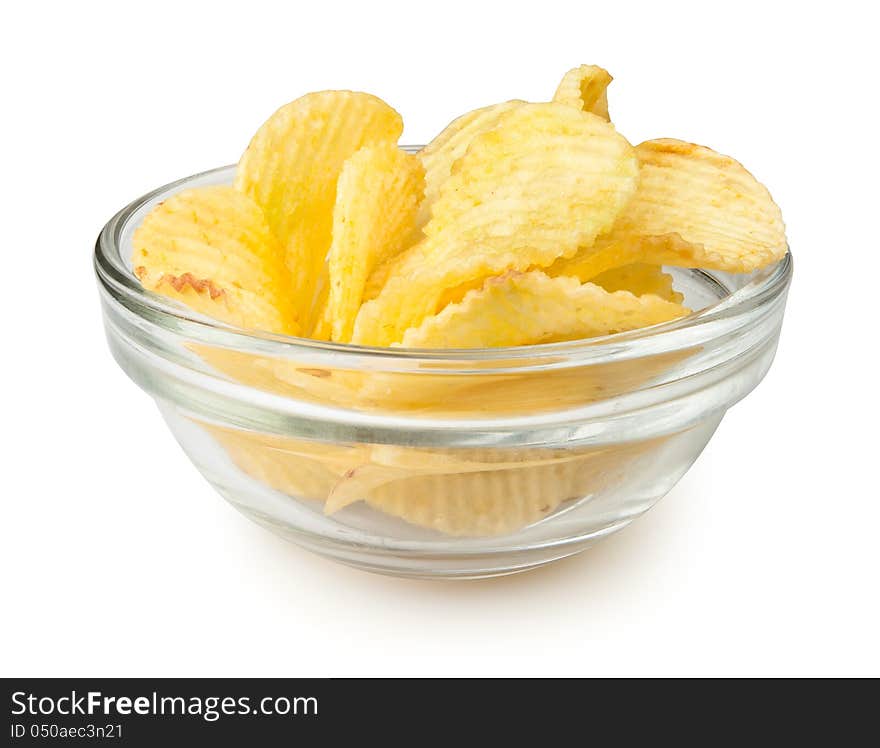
x=423, y=463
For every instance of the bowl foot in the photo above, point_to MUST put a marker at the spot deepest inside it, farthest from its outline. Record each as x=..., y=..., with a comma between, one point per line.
x=438, y=565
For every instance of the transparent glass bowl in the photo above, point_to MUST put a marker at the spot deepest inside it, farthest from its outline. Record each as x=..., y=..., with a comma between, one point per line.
x=441, y=463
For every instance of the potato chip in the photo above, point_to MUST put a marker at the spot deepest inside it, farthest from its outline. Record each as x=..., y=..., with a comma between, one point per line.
x=377, y=199
x=529, y=308
x=639, y=279
x=322, y=329
x=605, y=255
x=316, y=323
x=402, y=264
x=405, y=263
x=495, y=502
x=481, y=504
x=475, y=503
x=324, y=386
x=291, y=168
x=305, y=470
x=450, y=145
x=478, y=396
x=585, y=87
x=546, y=180
x=473, y=495
x=556, y=172
x=388, y=463
x=212, y=249
x=382, y=272
x=694, y=208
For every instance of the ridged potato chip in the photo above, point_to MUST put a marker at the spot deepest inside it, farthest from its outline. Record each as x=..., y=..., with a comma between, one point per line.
x=212, y=249
x=559, y=172
x=388, y=463
x=545, y=181
x=639, y=279
x=450, y=145
x=694, y=208
x=307, y=470
x=403, y=264
x=382, y=272
x=585, y=87
x=488, y=394
x=484, y=493
x=281, y=376
x=377, y=200
x=481, y=504
x=607, y=254
x=291, y=168
x=529, y=308
x=496, y=502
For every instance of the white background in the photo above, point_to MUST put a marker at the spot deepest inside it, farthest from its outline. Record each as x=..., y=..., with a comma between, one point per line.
x=118, y=559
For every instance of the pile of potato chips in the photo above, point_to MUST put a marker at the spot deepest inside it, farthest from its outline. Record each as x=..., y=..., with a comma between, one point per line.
x=520, y=223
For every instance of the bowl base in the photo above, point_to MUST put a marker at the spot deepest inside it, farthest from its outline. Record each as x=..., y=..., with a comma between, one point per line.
x=462, y=566
x=363, y=538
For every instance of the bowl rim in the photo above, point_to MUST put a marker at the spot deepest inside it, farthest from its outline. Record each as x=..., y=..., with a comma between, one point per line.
x=118, y=281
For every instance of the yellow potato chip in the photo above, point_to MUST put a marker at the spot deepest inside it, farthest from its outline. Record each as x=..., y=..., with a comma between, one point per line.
x=471, y=396
x=323, y=327
x=495, y=502
x=477, y=502
x=291, y=168
x=639, y=279
x=474, y=495
x=404, y=264
x=585, y=87
x=694, y=208
x=316, y=324
x=388, y=463
x=382, y=272
x=450, y=145
x=212, y=249
x=306, y=470
x=377, y=199
x=545, y=181
x=604, y=255
x=547, y=170
x=529, y=308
